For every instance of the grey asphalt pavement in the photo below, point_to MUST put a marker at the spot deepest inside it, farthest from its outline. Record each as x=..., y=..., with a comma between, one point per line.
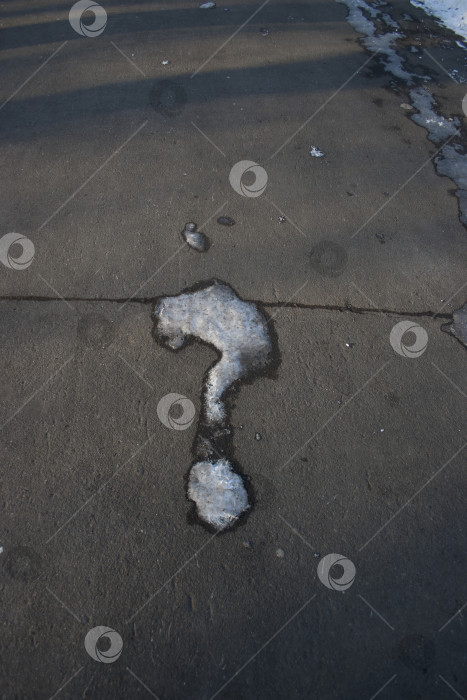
x=350, y=446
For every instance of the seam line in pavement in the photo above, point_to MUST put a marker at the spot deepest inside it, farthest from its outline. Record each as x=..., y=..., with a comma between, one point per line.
x=267, y=304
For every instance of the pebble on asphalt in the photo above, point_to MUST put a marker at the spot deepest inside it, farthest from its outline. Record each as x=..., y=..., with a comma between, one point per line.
x=225, y=221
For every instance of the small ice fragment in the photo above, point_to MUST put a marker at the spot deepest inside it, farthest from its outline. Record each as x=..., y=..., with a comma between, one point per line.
x=207, y=5
x=195, y=239
x=225, y=221
x=257, y=436
x=218, y=492
x=282, y=219
x=316, y=152
x=165, y=62
x=280, y=553
x=458, y=327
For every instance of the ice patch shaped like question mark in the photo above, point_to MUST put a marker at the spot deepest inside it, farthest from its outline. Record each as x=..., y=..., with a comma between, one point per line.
x=239, y=331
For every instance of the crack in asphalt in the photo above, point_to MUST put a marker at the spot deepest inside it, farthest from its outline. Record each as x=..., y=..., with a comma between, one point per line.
x=349, y=308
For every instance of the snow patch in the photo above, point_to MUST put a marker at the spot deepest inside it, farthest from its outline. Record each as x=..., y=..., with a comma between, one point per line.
x=451, y=13
x=439, y=128
x=383, y=43
x=218, y=492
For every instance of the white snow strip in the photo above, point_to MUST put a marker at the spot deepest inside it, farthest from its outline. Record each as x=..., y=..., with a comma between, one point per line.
x=384, y=43
x=451, y=13
x=439, y=128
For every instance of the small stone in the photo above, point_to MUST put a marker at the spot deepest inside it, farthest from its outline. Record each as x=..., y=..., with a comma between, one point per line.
x=280, y=553
x=381, y=430
x=190, y=226
x=316, y=555
x=207, y=6
x=247, y=544
x=350, y=345
x=264, y=31
x=282, y=219
x=165, y=62
x=257, y=436
x=225, y=221
x=381, y=237
x=406, y=106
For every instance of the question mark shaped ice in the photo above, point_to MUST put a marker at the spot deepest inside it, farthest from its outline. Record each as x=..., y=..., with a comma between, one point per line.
x=214, y=314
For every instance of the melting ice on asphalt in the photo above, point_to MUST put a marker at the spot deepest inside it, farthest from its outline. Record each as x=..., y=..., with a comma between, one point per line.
x=237, y=329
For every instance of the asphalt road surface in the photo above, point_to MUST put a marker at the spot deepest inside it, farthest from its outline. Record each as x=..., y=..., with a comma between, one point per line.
x=116, y=134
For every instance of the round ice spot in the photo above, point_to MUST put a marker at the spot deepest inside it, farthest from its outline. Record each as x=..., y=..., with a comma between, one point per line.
x=218, y=492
